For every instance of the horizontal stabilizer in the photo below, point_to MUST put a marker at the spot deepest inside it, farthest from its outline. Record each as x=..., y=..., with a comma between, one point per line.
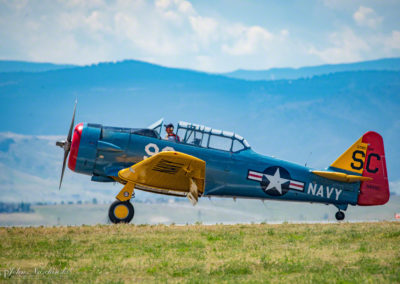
x=341, y=176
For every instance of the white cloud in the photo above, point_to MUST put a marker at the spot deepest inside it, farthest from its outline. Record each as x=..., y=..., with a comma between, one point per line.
x=182, y=6
x=205, y=28
x=162, y=4
x=345, y=46
x=248, y=40
x=366, y=17
x=166, y=30
x=173, y=33
x=95, y=21
x=205, y=62
x=285, y=32
x=393, y=42
x=174, y=9
x=185, y=7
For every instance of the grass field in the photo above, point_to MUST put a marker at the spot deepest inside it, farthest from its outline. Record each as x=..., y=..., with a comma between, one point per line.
x=342, y=252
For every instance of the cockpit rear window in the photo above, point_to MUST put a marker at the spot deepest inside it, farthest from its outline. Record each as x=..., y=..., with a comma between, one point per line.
x=237, y=146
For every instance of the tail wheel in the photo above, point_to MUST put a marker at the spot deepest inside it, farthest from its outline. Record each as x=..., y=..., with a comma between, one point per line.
x=339, y=215
x=121, y=212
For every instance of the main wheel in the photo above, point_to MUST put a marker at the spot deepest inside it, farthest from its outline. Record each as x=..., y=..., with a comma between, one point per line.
x=339, y=215
x=121, y=212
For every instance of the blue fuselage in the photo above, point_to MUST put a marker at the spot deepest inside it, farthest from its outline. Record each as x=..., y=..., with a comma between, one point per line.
x=103, y=151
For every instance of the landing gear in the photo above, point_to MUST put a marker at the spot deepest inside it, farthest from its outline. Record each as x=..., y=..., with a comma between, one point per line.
x=339, y=215
x=121, y=212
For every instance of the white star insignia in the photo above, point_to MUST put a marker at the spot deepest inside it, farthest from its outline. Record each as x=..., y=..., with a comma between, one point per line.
x=275, y=181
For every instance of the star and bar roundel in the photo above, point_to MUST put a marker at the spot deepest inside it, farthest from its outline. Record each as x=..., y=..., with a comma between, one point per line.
x=275, y=181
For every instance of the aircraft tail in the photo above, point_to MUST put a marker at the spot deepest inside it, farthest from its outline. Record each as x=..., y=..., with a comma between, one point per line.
x=366, y=157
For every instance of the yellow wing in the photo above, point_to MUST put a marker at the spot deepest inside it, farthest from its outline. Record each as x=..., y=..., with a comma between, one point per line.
x=166, y=172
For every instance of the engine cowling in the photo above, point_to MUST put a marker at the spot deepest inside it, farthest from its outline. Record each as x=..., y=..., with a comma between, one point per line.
x=82, y=157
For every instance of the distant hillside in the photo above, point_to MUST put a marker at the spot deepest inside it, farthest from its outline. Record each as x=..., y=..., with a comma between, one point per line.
x=23, y=66
x=392, y=64
x=118, y=93
x=289, y=119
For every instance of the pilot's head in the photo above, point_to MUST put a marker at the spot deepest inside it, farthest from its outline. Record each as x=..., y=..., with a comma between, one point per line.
x=169, y=128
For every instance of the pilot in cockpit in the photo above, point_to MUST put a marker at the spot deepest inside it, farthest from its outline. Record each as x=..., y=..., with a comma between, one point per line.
x=171, y=136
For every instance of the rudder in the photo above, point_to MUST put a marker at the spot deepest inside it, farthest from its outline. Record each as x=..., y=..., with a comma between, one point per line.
x=375, y=191
x=366, y=157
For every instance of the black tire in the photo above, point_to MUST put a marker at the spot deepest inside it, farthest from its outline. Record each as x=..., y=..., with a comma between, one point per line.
x=339, y=215
x=116, y=208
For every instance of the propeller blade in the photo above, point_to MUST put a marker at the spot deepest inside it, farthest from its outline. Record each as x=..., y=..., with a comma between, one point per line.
x=66, y=145
x=66, y=152
x=71, y=128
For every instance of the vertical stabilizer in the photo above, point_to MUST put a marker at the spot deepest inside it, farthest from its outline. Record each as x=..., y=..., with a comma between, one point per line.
x=366, y=157
x=353, y=159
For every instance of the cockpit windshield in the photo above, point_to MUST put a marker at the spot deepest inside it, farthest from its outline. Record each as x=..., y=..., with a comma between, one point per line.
x=157, y=126
x=203, y=136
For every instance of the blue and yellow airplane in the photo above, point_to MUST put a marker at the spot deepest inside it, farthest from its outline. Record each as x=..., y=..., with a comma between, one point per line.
x=208, y=162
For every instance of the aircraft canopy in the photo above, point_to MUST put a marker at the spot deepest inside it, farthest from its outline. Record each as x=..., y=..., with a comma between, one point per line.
x=207, y=137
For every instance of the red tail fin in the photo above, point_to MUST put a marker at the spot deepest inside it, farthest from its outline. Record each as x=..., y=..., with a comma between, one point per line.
x=375, y=191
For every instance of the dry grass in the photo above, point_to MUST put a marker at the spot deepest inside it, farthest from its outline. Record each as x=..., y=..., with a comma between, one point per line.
x=346, y=252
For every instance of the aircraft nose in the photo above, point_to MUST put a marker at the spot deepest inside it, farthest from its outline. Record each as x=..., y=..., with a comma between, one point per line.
x=76, y=140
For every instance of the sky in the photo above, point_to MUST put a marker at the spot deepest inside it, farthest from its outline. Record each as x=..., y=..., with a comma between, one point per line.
x=213, y=36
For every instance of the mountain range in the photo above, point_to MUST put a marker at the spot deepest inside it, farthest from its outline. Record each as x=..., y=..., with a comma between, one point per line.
x=23, y=66
x=392, y=64
x=312, y=119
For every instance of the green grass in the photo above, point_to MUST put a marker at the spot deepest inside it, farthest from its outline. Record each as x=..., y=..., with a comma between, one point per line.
x=344, y=253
